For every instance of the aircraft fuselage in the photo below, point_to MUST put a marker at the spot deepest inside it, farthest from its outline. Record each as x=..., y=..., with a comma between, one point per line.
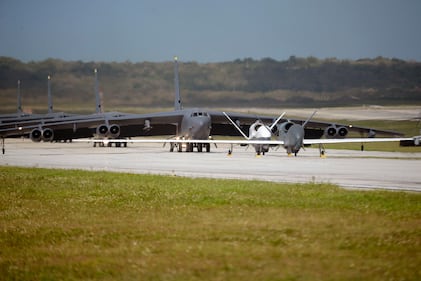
x=293, y=138
x=196, y=124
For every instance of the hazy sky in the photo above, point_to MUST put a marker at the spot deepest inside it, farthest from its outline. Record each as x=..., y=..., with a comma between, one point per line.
x=209, y=31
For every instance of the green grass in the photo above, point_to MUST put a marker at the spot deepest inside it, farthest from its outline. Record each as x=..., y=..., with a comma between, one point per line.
x=70, y=225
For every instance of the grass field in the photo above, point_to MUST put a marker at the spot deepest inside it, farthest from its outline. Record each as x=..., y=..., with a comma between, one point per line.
x=78, y=225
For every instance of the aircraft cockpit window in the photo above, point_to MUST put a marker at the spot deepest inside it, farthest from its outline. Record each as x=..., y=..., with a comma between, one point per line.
x=196, y=114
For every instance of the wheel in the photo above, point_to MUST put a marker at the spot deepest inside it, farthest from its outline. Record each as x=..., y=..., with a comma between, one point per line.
x=189, y=147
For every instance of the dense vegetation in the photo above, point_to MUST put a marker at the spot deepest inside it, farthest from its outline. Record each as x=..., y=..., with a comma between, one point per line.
x=75, y=225
x=246, y=82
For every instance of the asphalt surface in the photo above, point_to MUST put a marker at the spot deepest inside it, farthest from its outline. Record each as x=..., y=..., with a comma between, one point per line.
x=350, y=169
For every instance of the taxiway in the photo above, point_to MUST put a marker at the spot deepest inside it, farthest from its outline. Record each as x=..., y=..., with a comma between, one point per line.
x=346, y=168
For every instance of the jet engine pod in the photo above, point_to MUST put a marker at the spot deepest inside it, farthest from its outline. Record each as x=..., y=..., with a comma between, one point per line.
x=342, y=132
x=102, y=130
x=331, y=131
x=114, y=131
x=47, y=134
x=284, y=127
x=36, y=135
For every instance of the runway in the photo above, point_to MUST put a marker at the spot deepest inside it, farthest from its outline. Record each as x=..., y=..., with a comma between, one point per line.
x=349, y=169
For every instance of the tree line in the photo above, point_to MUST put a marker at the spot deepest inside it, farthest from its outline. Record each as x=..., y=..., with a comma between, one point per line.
x=243, y=82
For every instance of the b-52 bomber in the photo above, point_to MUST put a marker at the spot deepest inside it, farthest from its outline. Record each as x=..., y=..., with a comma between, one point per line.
x=189, y=128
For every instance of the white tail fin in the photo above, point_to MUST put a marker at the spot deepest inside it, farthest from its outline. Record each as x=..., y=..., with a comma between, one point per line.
x=236, y=126
x=309, y=118
x=276, y=121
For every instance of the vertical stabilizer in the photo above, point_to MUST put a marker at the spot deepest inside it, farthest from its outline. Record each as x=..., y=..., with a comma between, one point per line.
x=309, y=118
x=97, y=97
x=50, y=98
x=19, y=99
x=177, y=101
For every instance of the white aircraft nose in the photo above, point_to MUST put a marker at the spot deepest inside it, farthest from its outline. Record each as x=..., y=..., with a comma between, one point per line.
x=263, y=132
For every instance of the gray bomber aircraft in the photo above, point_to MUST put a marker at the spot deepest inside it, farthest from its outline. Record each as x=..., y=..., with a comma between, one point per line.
x=192, y=128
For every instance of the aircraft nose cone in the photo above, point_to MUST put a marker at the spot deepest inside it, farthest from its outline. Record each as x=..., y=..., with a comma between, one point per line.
x=201, y=129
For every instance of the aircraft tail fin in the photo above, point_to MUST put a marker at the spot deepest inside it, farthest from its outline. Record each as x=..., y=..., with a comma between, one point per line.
x=177, y=101
x=309, y=118
x=50, y=98
x=98, y=105
x=19, y=99
x=276, y=121
x=236, y=126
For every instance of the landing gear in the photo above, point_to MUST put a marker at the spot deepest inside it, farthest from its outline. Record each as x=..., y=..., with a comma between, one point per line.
x=189, y=147
x=109, y=143
x=3, y=149
x=322, y=151
x=230, y=150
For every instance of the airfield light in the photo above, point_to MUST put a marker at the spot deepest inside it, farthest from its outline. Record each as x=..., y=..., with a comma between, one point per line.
x=95, y=71
x=175, y=58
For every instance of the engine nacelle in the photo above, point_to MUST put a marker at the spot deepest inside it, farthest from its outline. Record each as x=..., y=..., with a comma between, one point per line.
x=47, y=134
x=331, y=131
x=114, y=131
x=102, y=130
x=36, y=135
x=342, y=132
x=284, y=127
x=258, y=130
x=336, y=132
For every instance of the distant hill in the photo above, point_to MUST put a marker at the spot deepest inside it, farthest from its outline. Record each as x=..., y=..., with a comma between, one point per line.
x=296, y=82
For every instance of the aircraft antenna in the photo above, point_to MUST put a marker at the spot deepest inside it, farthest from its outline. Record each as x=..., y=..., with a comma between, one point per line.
x=177, y=101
